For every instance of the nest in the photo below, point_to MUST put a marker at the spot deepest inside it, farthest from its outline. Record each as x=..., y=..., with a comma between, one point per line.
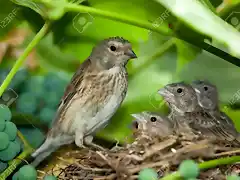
x=162, y=154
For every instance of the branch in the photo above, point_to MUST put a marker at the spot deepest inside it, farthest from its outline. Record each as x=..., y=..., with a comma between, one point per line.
x=206, y=165
x=23, y=57
x=116, y=17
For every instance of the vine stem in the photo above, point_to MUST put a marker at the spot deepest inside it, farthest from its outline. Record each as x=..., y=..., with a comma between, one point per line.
x=15, y=68
x=116, y=17
x=23, y=57
x=14, y=163
x=206, y=165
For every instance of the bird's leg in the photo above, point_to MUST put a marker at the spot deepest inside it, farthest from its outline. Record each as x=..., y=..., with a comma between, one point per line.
x=88, y=141
x=79, y=138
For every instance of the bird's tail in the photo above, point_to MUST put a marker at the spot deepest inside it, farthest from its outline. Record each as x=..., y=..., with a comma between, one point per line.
x=43, y=152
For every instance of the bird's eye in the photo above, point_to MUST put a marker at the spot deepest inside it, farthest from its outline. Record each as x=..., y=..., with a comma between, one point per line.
x=153, y=119
x=205, y=88
x=179, y=90
x=113, y=48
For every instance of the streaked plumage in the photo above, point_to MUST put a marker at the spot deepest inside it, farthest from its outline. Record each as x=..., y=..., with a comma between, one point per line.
x=207, y=95
x=153, y=124
x=185, y=109
x=94, y=94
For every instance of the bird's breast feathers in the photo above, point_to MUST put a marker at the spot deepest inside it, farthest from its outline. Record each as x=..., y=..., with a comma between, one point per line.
x=87, y=113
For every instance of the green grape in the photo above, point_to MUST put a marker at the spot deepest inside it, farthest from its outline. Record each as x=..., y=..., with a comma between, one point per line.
x=15, y=176
x=3, y=166
x=9, y=153
x=148, y=174
x=233, y=177
x=4, y=139
x=52, y=82
x=27, y=103
x=17, y=146
x=188, y=169
x=35, y=86
x=20, y=143
x=46, y=115
x=5, y=112
x=2, y=124
x=34, y=136
x=11, y=130
x=27, y=172
x=51, y=99
x=49, y=177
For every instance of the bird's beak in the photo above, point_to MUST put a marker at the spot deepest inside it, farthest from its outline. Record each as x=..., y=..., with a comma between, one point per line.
x=196, y=90
x=131, y=54
x=137, y=117
x=164, y=92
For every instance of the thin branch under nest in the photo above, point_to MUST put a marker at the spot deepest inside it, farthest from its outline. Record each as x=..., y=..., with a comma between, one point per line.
x=164, y=155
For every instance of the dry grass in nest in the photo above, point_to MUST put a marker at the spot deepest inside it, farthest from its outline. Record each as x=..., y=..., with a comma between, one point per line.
x=164, y=155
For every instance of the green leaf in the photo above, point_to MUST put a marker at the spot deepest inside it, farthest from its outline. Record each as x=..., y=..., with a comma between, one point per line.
x=201, y=19
x=186, y=53
x=36, y=6
x=51, y=57
x=53, y=9
x=8, y=17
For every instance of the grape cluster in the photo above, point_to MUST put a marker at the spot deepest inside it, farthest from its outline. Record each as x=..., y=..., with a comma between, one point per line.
x=10, y=146
x=19, y=78
x=40, y=96
x=28, y=172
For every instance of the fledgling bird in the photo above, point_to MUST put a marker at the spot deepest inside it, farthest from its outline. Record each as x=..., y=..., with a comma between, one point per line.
x=182, y=101
x=92, y=97
x=186, y=110
x=153, y=124
x=207, y=95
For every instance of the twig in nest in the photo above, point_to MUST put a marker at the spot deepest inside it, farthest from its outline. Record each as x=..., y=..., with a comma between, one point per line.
x=153, y=149
x=192, y=147
x=87, y=168
x=227, y=153
x=109, y=177
x=149, y=165
x=105, y=159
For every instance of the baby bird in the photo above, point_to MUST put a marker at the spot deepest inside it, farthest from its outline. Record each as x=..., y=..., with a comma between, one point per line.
x=153, y=124
x=182, y=102
x=207, y=95
x=186, y=111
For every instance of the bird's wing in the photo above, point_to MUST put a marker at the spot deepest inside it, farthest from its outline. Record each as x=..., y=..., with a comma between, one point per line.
x=73, y=87
x=207, y=123
x=227, y=123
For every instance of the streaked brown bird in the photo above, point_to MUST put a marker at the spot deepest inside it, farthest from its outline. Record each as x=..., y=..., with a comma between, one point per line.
x=207, y=95
x=92, y=97
x=186, y=110
x=182, y=101
x=153, y=124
